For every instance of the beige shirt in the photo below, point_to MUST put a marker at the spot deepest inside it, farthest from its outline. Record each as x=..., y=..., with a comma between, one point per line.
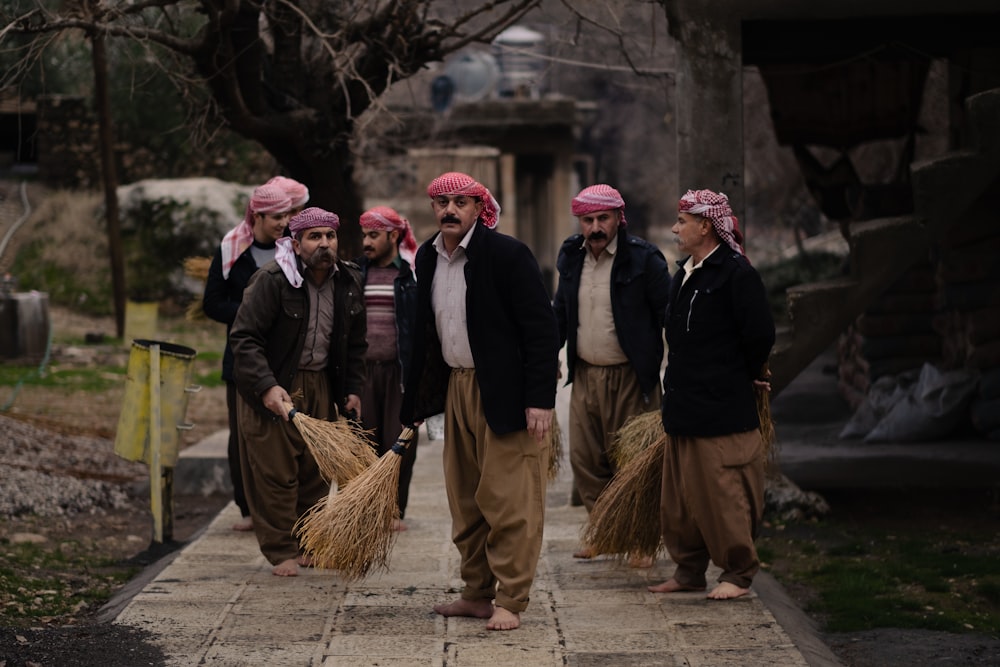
x=596, y=339
x=448, y=302
x=690, y=267
x=319, y=328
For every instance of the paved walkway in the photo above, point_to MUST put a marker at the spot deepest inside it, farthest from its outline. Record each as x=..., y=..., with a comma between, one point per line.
x=217, y=603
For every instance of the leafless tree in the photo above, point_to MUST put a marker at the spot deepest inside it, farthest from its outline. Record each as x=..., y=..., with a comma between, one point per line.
x=292, y=75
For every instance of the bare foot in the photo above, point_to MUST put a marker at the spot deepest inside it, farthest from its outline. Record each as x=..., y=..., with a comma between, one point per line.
x=672, y=586
x=727, y=591
x=244, y=524
x=640, y=561
x=503, y=619
x=585, y=553
x=305, y=560
x=286, y=568
x=399, y=526
x=473, y=608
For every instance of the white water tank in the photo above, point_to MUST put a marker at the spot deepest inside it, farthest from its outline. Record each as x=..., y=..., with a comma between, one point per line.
x=517, y=50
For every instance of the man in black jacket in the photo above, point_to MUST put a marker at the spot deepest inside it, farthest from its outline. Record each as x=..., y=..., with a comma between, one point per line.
x=610, y=302
x=719, y=332
x=486, y=353
x=249, y=245
x=300, y=328
x=391, y=304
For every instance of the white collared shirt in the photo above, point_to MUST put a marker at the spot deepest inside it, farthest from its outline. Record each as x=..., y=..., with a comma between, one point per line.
x=448, y=302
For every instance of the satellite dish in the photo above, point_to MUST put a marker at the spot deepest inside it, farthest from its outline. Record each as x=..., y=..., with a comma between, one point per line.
x=474, y=73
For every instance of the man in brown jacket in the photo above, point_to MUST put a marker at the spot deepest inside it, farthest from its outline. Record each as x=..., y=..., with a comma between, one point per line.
x=300, y=329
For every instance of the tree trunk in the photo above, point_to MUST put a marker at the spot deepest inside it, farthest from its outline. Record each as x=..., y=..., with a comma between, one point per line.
x=330, y=180
x=109, y=178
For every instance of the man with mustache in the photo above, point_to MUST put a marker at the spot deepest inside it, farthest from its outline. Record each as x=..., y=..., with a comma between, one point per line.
x=610, y=302
x=299, y=331
x=485, y=352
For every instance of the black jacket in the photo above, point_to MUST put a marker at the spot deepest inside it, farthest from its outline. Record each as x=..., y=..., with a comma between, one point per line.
x=270, y=328
x=404, y=292
x=223, y=297
x=640, y=282
x=719, y=334
x=512, y=332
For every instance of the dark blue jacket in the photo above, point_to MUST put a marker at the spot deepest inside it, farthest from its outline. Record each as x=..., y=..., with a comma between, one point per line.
x=512, y=332
x=404, y=292
x=223, y=297
x=719, y=335
x=640, y=282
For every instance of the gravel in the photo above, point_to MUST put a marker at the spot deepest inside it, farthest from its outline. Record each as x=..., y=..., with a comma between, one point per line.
x=49, y=474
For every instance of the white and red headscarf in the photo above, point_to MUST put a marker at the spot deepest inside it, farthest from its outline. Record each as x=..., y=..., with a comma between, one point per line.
x=298, y=193
x=285, y=253
x=456, y=183
x=385, y=219
x=599, y=197
x=265, y=199
x=715, y=207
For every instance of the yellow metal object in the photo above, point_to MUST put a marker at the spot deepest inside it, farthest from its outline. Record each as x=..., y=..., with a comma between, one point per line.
x=134, y=439
x=141, y=319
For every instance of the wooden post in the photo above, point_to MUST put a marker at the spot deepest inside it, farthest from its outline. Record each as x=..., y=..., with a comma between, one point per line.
x=155, y=469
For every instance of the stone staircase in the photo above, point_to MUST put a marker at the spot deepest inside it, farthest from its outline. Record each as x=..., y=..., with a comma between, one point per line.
x=882, y=250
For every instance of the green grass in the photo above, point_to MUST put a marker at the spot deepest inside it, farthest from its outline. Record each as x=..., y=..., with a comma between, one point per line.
x=98, y=378
x=865, y=579
x=43, y=583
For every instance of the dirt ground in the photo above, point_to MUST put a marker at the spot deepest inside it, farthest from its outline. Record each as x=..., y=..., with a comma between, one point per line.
x=79, y=429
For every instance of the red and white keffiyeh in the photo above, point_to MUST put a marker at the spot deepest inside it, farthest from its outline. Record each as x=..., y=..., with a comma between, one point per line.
x=600, y=197
x=265, y=199
x=456, y=183
x=298, y=193
x=385, y=219
x=715, y=207
x=285, y=256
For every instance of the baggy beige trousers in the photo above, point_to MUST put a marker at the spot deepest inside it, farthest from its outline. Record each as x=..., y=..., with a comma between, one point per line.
x=602, y=399
x=711, y=506
x=280, y=477
x=496, y=494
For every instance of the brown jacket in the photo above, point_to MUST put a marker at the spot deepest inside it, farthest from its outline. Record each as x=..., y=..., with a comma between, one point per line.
x=270, y=328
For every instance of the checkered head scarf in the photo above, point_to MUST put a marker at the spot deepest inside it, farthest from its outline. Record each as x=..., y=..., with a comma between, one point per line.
x=298, y=193
x=307, y=219
x=313, y=217
x=599, y=197
x=715, y=207
x=265, y=199
x=385, y=219
x=455, y=183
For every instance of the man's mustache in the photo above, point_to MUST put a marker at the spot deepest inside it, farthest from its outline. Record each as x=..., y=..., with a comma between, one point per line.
x=599, y=235
x=452, y=219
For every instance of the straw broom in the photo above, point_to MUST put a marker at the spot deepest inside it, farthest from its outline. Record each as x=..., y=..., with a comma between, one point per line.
x=197, y=268
x=352, y=530
x=635, y=435
x=341, y=449
x=625, y=519
x=555, y=448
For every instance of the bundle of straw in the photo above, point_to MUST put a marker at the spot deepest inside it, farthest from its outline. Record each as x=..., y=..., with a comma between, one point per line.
x=352, y=531
x=625, y=520
x=555, y=448
x=197, y=268
x=635, y=436
x=341, y=449
x=767, y=434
